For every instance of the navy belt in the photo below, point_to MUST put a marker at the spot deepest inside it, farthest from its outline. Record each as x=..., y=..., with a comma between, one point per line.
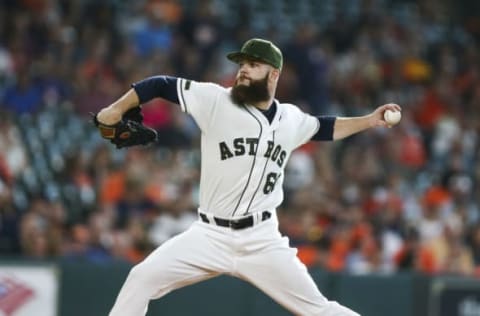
x=239, y=223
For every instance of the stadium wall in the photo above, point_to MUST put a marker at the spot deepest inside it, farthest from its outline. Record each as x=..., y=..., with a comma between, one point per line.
x=90, y=289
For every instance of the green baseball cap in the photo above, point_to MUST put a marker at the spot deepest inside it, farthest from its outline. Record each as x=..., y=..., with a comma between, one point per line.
x=259, y=49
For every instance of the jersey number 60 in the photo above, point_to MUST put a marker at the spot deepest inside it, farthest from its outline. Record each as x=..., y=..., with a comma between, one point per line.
x=272, y=178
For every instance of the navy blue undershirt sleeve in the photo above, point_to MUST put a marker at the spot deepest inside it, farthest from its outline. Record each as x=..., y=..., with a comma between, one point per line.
x=164, y=87
x=325, y=132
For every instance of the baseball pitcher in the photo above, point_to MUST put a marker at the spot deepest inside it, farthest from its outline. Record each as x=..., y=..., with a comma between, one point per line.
x=247, y=137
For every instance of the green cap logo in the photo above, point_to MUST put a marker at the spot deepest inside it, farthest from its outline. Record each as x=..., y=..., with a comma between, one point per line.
x=261, y=50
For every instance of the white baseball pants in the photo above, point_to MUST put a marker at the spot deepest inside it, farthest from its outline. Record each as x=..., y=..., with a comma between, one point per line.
x=259, y=255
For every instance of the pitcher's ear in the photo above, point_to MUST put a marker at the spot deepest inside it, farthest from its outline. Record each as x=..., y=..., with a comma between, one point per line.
x=274, y=74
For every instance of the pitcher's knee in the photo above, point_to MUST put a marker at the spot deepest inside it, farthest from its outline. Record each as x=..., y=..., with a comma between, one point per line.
x=140, y=273
x=151, y=276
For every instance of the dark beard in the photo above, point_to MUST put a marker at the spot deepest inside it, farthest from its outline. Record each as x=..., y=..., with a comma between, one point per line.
x=257, y=91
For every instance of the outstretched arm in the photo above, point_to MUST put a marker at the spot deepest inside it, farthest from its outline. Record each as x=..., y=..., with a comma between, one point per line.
x=346, y=126
x=142, y=91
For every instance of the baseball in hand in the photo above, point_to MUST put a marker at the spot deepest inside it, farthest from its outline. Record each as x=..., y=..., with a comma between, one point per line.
x=392, y=117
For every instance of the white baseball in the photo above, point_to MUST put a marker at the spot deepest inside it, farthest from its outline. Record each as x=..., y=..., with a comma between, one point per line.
x=392, y=117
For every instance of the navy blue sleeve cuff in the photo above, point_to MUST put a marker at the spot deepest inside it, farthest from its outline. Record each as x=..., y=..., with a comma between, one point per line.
x=325, y=132
x=164, y=87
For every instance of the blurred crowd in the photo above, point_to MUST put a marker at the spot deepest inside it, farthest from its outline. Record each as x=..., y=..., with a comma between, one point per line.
x=383, y=201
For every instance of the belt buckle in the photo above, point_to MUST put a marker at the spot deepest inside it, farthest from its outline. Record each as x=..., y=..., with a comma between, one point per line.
x=235, y=223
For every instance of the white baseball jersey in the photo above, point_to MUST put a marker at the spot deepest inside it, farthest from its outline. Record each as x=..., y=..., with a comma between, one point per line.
x=243, y=155
x=243, y=160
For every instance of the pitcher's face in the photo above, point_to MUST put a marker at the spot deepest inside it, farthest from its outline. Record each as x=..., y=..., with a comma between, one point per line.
x=251, y=70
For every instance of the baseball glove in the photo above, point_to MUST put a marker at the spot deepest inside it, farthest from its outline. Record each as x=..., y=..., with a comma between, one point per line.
x=129, y=131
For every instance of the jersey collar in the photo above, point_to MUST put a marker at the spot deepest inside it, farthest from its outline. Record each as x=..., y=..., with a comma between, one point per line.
x=265, y=123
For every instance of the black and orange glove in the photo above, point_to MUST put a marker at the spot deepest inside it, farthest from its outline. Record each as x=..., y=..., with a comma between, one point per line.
x=129, y=131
